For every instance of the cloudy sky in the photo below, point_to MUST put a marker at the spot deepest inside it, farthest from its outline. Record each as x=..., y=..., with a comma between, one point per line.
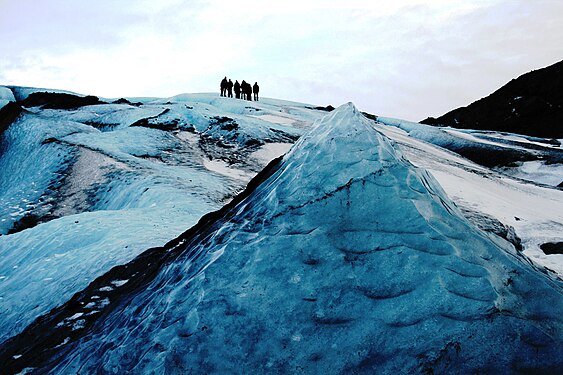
x=401, y=58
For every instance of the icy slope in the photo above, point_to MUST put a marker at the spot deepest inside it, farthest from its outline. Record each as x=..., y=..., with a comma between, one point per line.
x=345, y=259
x=534, y=210
x=6, y=96
x=86, y=189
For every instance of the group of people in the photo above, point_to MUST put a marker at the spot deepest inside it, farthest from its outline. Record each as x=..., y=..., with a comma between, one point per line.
x=243, y=90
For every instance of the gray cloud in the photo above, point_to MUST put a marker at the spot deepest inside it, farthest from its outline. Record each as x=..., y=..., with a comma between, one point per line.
x=408, y=59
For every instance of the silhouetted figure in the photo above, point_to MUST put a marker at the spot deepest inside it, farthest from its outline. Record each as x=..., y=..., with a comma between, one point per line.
x=237, y=90
x=243, y=89
x=223, y=86
x=248, y=92
x=230, y=88
x=255, y=90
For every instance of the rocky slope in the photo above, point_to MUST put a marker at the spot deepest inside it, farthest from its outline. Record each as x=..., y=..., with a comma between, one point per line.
x=531, y=104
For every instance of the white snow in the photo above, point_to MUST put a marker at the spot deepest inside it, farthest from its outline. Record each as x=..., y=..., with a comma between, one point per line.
x=464, y=135
x=539, y=171
x=222, y=168
x=75, y=316
x=270, y=151
x=6, y=96
x=276, y=119
x=65, y=341
x=118, y=283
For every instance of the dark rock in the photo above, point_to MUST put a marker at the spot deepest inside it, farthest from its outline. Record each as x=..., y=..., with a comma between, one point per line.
x=125, y=101
x=328, y=108
x=121, y=101
x=281, y=136
x=54, y=100
x=532, y=104
x=370, y=116
x=26, y=222
x=153, y=122
x=225, y=123
x=491, y=156
x=8, y=114
x=489, y=224
x=551, y=248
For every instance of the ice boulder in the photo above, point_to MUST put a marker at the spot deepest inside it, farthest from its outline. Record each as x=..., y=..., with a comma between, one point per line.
x=6, y=96
x=344, y=258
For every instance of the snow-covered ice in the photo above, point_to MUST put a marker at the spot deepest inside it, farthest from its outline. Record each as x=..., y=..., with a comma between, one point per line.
x=345, y=240
x=346, y=258
x=535, y=211
x=102, y=191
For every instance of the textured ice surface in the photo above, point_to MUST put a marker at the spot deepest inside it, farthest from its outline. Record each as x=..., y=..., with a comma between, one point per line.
x=103, y=191
x=548, y=174
x=346, y=259
x=6, y=96
x=533, y=209
x=30, y=164
x=21, y=93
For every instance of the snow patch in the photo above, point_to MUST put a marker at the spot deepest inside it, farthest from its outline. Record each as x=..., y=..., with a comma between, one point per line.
x=537, y=171
x=270, y=151
x=118, y=283
x=222, y=168
x=276, y=119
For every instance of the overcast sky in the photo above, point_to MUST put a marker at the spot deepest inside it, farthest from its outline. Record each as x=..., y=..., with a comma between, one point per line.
x=401, y=58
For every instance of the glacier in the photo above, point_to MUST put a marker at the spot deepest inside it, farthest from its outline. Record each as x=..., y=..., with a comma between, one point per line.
x=340, y=257
x=85, y=189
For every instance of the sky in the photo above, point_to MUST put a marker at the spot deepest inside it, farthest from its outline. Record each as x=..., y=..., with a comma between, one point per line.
x=407, y=59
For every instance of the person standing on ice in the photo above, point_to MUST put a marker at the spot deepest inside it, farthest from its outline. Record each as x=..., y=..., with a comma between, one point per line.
x=248, y=92
x=237, y=89
x=223, y=86
x=230, y=88
x=255, y=90
x=243, y=89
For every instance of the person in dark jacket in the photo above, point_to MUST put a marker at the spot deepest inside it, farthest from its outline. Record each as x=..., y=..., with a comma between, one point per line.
x=243, y=89
x=230, y=88
x=255, y=90
x=223, y=86
x=248, y=92
x=237, y=90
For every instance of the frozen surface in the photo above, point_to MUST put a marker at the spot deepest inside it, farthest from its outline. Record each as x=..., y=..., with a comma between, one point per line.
x=82, y=190
x=342, y=234
x=270, y=151
x=30, y=165
x=6, y=96
x=548, y=174
x=534, y=211
x=346, y=259
x=21, y=93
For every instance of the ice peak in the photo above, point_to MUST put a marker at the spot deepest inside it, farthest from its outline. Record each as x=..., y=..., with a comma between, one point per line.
x=344, y=120
x=343, y=146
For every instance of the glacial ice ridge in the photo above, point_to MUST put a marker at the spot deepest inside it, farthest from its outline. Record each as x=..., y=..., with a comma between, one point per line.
x=345, y=258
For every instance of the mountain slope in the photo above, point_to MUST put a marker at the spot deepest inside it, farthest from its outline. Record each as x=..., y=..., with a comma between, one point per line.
x=530, y=104
x=85, y=189
x=343, y=258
